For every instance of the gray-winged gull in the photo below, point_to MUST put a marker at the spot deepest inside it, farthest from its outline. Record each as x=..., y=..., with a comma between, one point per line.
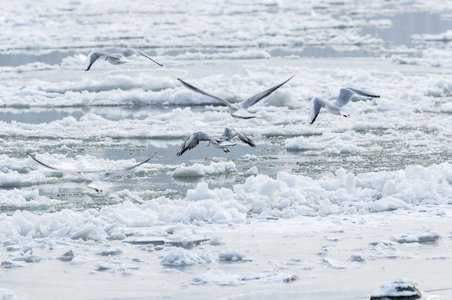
x=223, y=142
x=345, y=95
x=238, y=110
x=94, y=181
x=115, y=58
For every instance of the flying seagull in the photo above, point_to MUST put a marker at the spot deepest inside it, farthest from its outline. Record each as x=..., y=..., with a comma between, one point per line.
x=238, y=110
x=335, y=107
x=223, y=142
x=94, y=181
x=116, y=58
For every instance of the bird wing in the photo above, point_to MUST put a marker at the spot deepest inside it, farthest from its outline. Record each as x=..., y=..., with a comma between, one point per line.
x=240, y=135
x=195, y=89
x=226, y=144
x=92, y=57
x=228, y=134
x=316, y=105
x=256, y=98
x=129, y=52
x=344, y=97
x=364, y=93
x=346, y=94
x=193, y=140
x=123, y=171
x=78, y=174
x=147, y=56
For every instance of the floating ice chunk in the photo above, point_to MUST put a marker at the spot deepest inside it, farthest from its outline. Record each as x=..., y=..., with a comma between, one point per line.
x=346, y=179
x=181, y=257
x=222, y=217
x=424, y=237
x=117, y=237
x=12, y=264
x=196, y=170
x=218, y=277
x=201, y=192
x=397, y=288
x=358, y=257
x=297, y=144
x=85, y=232
x=26, y=222
x=389, y=188
x=324, y=250
x=230, y=255
x=28, y=259
x=335, y=264
x=111, y=251
x=340, y=146
x=406, y=238
x=388, y=203
x=382, y=243
x=350, y=182
x=341, y=175
x=216, y=241
x=103, y=266
x=428, y=237
x=115, y=267
x=200, y=170
x=67, y=256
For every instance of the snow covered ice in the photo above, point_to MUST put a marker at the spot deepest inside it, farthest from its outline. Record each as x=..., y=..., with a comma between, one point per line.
x=340, y=209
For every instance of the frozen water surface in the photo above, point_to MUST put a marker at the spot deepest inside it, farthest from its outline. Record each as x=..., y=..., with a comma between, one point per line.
x=332, y=210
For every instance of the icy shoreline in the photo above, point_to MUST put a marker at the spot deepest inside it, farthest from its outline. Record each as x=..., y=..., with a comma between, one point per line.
x=298, y=257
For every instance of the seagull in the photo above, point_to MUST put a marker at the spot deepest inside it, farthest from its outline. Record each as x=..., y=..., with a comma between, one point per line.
x=335, y=107
x=116, y=58
x=95, y=182
x=238, y=110
x=223, y=142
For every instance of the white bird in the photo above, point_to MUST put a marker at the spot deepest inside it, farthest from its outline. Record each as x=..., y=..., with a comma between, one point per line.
x=238, y=110
x=223, y=142
x=116, y=58
x=94, y=181
x=345, y=95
